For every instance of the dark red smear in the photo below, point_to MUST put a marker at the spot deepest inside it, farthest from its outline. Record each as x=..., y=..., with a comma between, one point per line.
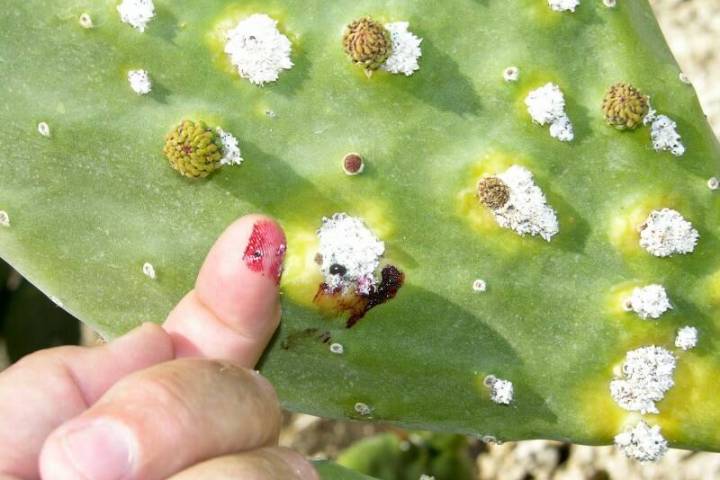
x=357, y=305
x=265, y=250
x=296, y=338
x=392, y=280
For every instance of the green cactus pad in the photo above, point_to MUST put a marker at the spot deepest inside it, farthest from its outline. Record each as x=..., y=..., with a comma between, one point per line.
x=94, y=201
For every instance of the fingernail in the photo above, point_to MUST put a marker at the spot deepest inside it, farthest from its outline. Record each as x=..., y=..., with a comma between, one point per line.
x=101, y=450
x=265, y=250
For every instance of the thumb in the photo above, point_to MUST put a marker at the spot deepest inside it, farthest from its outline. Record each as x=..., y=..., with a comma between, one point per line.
x=234, y=309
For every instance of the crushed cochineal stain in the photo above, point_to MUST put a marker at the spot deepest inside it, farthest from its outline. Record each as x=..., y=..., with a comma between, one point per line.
x=357, y=304
x=265, y=250
x=295, y=338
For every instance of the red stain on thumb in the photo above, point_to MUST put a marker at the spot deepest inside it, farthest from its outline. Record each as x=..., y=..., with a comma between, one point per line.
x=265, y=250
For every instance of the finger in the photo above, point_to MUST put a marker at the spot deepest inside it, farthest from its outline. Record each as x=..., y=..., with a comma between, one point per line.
x=264, y=464
x=161, y=420
x=45, y=389
x=234, y=309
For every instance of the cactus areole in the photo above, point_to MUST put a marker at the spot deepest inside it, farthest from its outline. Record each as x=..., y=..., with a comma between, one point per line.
x=500, y=228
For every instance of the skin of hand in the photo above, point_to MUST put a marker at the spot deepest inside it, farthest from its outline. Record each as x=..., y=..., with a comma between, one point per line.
x=177, y=401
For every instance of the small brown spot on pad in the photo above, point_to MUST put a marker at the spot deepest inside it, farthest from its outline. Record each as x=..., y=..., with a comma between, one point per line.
x=353, y=164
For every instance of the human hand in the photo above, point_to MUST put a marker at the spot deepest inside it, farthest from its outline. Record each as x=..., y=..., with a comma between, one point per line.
x=176, y=401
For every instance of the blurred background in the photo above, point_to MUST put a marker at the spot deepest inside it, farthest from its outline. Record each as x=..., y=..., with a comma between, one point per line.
x=30, y=321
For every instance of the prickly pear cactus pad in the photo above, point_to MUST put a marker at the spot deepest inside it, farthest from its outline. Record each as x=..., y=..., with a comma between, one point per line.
x=484, y=235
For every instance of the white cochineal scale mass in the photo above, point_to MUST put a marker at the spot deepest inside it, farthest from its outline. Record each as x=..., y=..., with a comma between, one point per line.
x=137, y=13
x=140, y=81
x=349, y=253
x=649, y=302
x=258, y=50
x=546, y=106
x=526, y=210
x=405, y=51
x=666, y=233
x=663, y=133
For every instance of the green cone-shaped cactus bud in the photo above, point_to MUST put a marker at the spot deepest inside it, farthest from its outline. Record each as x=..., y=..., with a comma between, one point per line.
x=193, y=149
x=368, y=43
x=624, y=106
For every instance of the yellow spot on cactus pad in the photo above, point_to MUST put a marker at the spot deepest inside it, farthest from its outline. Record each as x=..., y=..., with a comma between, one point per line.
x=618, y=295
x=710, y=290
x=593, y=397
x=301, y=275
x=367, y=43
x=193, y=149
x=374, y=214
x=480, y=217
x=624, y=226
x=694, y=400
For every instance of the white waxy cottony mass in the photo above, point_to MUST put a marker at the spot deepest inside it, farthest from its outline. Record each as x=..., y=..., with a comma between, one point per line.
x=258, y=50
x=687, y=338
x=137, y=13
x=642, y=442
x=663, y=133
x=650, y=301
x=405, y=49
x=564, y=5
x=526, y=210
x=231, y=149
x=546, y=106
x=140, y=81
x=666, y=232
x=665, y=136
x=647, y=375
x=349, y=253
x=501, y=391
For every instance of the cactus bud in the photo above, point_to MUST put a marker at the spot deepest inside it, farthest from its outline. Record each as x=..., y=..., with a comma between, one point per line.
x=368, y=43
x=492, y=192
x=624, y=106
x=193, y=149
